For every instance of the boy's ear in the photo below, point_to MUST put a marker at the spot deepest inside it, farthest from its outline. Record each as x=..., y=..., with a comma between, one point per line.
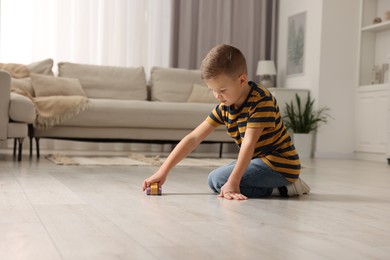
x=243, y=79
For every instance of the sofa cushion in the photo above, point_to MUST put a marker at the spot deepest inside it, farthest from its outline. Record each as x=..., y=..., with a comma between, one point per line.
x=22, y=86
x=45, y=86
x=141, y=114
x=21, y=109
x=41, y=67
x=173, y=85
x=107, y=82
x=201, y=94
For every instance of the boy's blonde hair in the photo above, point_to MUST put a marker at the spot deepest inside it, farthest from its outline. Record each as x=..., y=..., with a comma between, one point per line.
x=223, y=59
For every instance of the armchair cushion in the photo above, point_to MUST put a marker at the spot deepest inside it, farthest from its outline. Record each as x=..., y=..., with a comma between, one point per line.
x=21, y=109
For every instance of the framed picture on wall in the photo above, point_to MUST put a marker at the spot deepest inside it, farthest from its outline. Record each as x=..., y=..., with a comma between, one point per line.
x=296, y=44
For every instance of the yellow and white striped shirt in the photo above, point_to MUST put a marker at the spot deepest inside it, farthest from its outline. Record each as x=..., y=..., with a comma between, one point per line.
x=261, y=110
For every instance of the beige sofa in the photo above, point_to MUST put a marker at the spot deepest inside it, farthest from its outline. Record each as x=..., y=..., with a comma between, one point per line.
x=124, y=108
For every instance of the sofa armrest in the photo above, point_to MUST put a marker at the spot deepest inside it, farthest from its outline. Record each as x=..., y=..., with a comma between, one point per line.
x=5, y=87
x=21, y=109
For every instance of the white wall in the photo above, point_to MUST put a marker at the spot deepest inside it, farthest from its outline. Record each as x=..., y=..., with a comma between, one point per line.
x=331, y=54
x=338, y=76
x=313, y=9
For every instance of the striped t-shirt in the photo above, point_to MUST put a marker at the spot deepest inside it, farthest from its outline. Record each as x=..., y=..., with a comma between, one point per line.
x=261, y=110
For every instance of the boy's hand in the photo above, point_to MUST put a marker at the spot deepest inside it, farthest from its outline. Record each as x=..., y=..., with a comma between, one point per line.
x=157, y=177
x=231, y=192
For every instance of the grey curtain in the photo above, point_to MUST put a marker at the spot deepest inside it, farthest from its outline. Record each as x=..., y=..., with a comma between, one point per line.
x=199, y=25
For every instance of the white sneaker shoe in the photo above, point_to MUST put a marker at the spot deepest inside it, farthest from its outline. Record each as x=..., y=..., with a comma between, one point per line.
x=297, y=188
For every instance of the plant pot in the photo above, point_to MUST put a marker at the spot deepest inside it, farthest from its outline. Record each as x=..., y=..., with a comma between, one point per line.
x=304, y=145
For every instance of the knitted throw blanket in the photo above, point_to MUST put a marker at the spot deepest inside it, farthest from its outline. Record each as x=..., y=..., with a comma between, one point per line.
x=54, y=110
x=16, y=71
x=50, y=110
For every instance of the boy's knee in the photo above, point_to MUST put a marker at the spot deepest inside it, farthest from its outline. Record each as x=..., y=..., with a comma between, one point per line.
x=216, y=179
x=211, y=180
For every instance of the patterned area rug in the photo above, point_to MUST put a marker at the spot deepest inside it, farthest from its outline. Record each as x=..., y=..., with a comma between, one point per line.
x=132, y=160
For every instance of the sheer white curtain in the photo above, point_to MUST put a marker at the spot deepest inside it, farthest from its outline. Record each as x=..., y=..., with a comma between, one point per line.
x=108, y=32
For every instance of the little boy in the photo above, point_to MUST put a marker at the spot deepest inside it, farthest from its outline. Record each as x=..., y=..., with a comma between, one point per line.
x=268, y=163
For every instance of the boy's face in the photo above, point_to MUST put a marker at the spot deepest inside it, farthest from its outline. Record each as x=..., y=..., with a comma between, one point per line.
x=227, y=89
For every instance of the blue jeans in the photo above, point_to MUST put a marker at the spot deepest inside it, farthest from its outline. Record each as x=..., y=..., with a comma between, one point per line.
x=258, y=180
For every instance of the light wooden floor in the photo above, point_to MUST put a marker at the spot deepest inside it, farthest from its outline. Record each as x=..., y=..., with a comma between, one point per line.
x=74, y=212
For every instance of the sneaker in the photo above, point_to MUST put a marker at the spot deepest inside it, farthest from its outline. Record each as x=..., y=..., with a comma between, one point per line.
x=297, y=188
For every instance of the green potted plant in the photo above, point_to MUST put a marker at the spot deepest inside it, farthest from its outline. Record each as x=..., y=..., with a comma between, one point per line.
x=303, y=120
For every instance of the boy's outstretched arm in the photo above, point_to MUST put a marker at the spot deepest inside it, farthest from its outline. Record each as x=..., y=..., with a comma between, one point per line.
x=184, y=147
x=231, y=189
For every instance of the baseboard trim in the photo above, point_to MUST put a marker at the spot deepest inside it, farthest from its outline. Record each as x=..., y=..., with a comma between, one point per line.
x=374, y=157
x=331, y=155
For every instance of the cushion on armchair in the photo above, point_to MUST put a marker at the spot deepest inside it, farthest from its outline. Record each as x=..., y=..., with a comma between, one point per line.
x=21, y=109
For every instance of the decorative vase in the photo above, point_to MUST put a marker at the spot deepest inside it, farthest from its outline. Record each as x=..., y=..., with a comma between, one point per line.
x=266, y=81
x=304, y=145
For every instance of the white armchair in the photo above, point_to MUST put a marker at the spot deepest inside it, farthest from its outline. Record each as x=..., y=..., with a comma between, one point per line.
x=16, y=112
